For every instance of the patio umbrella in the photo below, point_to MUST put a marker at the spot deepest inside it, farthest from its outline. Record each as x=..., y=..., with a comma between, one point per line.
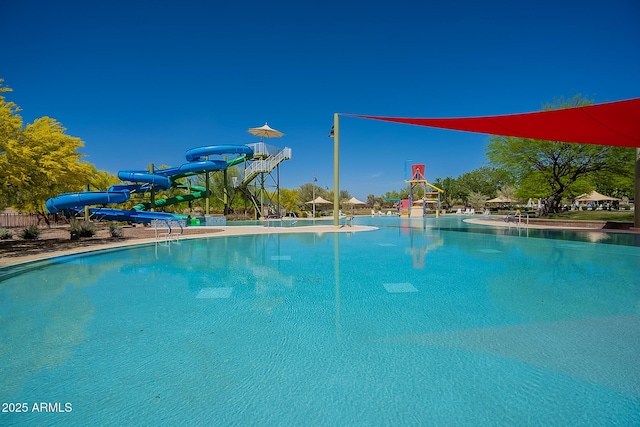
x=353, y=202
x=265, y=132
x=318, y=201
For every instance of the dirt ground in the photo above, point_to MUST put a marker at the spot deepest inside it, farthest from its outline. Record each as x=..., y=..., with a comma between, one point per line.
x=59, y=239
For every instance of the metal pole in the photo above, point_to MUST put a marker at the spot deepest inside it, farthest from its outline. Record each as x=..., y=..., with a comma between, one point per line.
x=208, y=190
x=636, y=197
x=153, y=189
x=225, y=194
x=336, y=170
x=86, y=208
x=313, y=198
x=278, y=190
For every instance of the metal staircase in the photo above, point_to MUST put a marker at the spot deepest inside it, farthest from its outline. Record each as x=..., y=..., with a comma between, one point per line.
x=265, y=159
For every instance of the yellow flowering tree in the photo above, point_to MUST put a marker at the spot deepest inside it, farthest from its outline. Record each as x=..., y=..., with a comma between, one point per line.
x=38, y=161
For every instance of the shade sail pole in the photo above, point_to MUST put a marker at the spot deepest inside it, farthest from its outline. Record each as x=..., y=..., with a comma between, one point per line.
x=336, y=170
x=636, y=197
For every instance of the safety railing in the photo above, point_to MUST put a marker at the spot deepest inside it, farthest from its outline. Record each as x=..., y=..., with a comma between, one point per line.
x=266, y=165
x=168, y=229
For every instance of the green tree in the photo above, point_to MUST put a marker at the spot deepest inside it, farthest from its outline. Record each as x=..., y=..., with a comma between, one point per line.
x=618, y=183
x=484, y=180
x=507, y=191
x=309, y=191
x=452, y=191
x=551, y=169
x=376, y=202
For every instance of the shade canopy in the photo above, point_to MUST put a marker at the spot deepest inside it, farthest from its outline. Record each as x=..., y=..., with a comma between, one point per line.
x=354, y=201
x=594, y=196
x=501, y=199
x=319, y=201
x=613, y=123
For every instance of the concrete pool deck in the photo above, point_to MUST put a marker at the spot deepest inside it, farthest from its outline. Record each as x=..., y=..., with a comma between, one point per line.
x=552, y=224
x=54, y=249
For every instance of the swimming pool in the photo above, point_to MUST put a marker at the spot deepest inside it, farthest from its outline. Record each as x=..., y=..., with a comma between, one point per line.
x=421, y=322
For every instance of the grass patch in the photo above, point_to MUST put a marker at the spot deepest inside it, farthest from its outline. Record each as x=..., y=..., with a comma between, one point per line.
x=614, y=216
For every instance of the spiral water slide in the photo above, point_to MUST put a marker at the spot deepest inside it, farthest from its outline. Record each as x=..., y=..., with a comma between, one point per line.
x=160, y=179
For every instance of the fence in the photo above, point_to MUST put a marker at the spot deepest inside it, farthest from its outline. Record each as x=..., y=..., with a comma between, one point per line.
x=19, y=220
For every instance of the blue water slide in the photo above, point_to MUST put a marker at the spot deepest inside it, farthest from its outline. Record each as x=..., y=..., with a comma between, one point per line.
x=128, y=187
x=159, y=181
x=217, y=150
x=73, y=200
x=133, y=216
x=193, y=168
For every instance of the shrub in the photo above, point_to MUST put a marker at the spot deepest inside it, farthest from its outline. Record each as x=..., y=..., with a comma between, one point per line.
x=32, y=232
x=115, y=230
x=81, y=229
x=5, y=234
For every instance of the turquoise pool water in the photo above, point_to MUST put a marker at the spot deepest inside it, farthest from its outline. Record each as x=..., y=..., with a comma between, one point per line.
x=421, y=322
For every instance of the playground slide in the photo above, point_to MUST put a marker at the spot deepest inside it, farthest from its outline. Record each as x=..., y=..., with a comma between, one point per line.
x=161, y=179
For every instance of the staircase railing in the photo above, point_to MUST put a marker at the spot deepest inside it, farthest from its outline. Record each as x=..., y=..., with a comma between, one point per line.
x=265, y=166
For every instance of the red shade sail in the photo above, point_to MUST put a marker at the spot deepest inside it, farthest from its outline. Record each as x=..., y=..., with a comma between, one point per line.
x=612, y=123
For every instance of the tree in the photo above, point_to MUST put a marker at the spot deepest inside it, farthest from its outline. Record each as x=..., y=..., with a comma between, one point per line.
x=507, y=191
x=42, y=162
x=476, y=199
x=10, y=125
x=451, y=189
x=550, y=168
x=484, y=180
x=307, y=192
x=289, y=200
x=102, y=180
x=619, y=183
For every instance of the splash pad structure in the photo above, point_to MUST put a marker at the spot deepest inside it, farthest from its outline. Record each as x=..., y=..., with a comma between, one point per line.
x=432, y=195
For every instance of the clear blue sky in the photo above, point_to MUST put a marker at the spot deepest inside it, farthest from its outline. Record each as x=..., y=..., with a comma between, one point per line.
x=143, y=81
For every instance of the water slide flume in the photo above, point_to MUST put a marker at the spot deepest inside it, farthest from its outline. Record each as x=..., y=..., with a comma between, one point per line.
x=72, y=200
x=160, y=179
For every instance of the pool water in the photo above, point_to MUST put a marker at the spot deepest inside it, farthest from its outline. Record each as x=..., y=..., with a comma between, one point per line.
x=421, y=322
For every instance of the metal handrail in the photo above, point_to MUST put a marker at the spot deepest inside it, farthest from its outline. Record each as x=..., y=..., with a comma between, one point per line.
x=267, y=165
